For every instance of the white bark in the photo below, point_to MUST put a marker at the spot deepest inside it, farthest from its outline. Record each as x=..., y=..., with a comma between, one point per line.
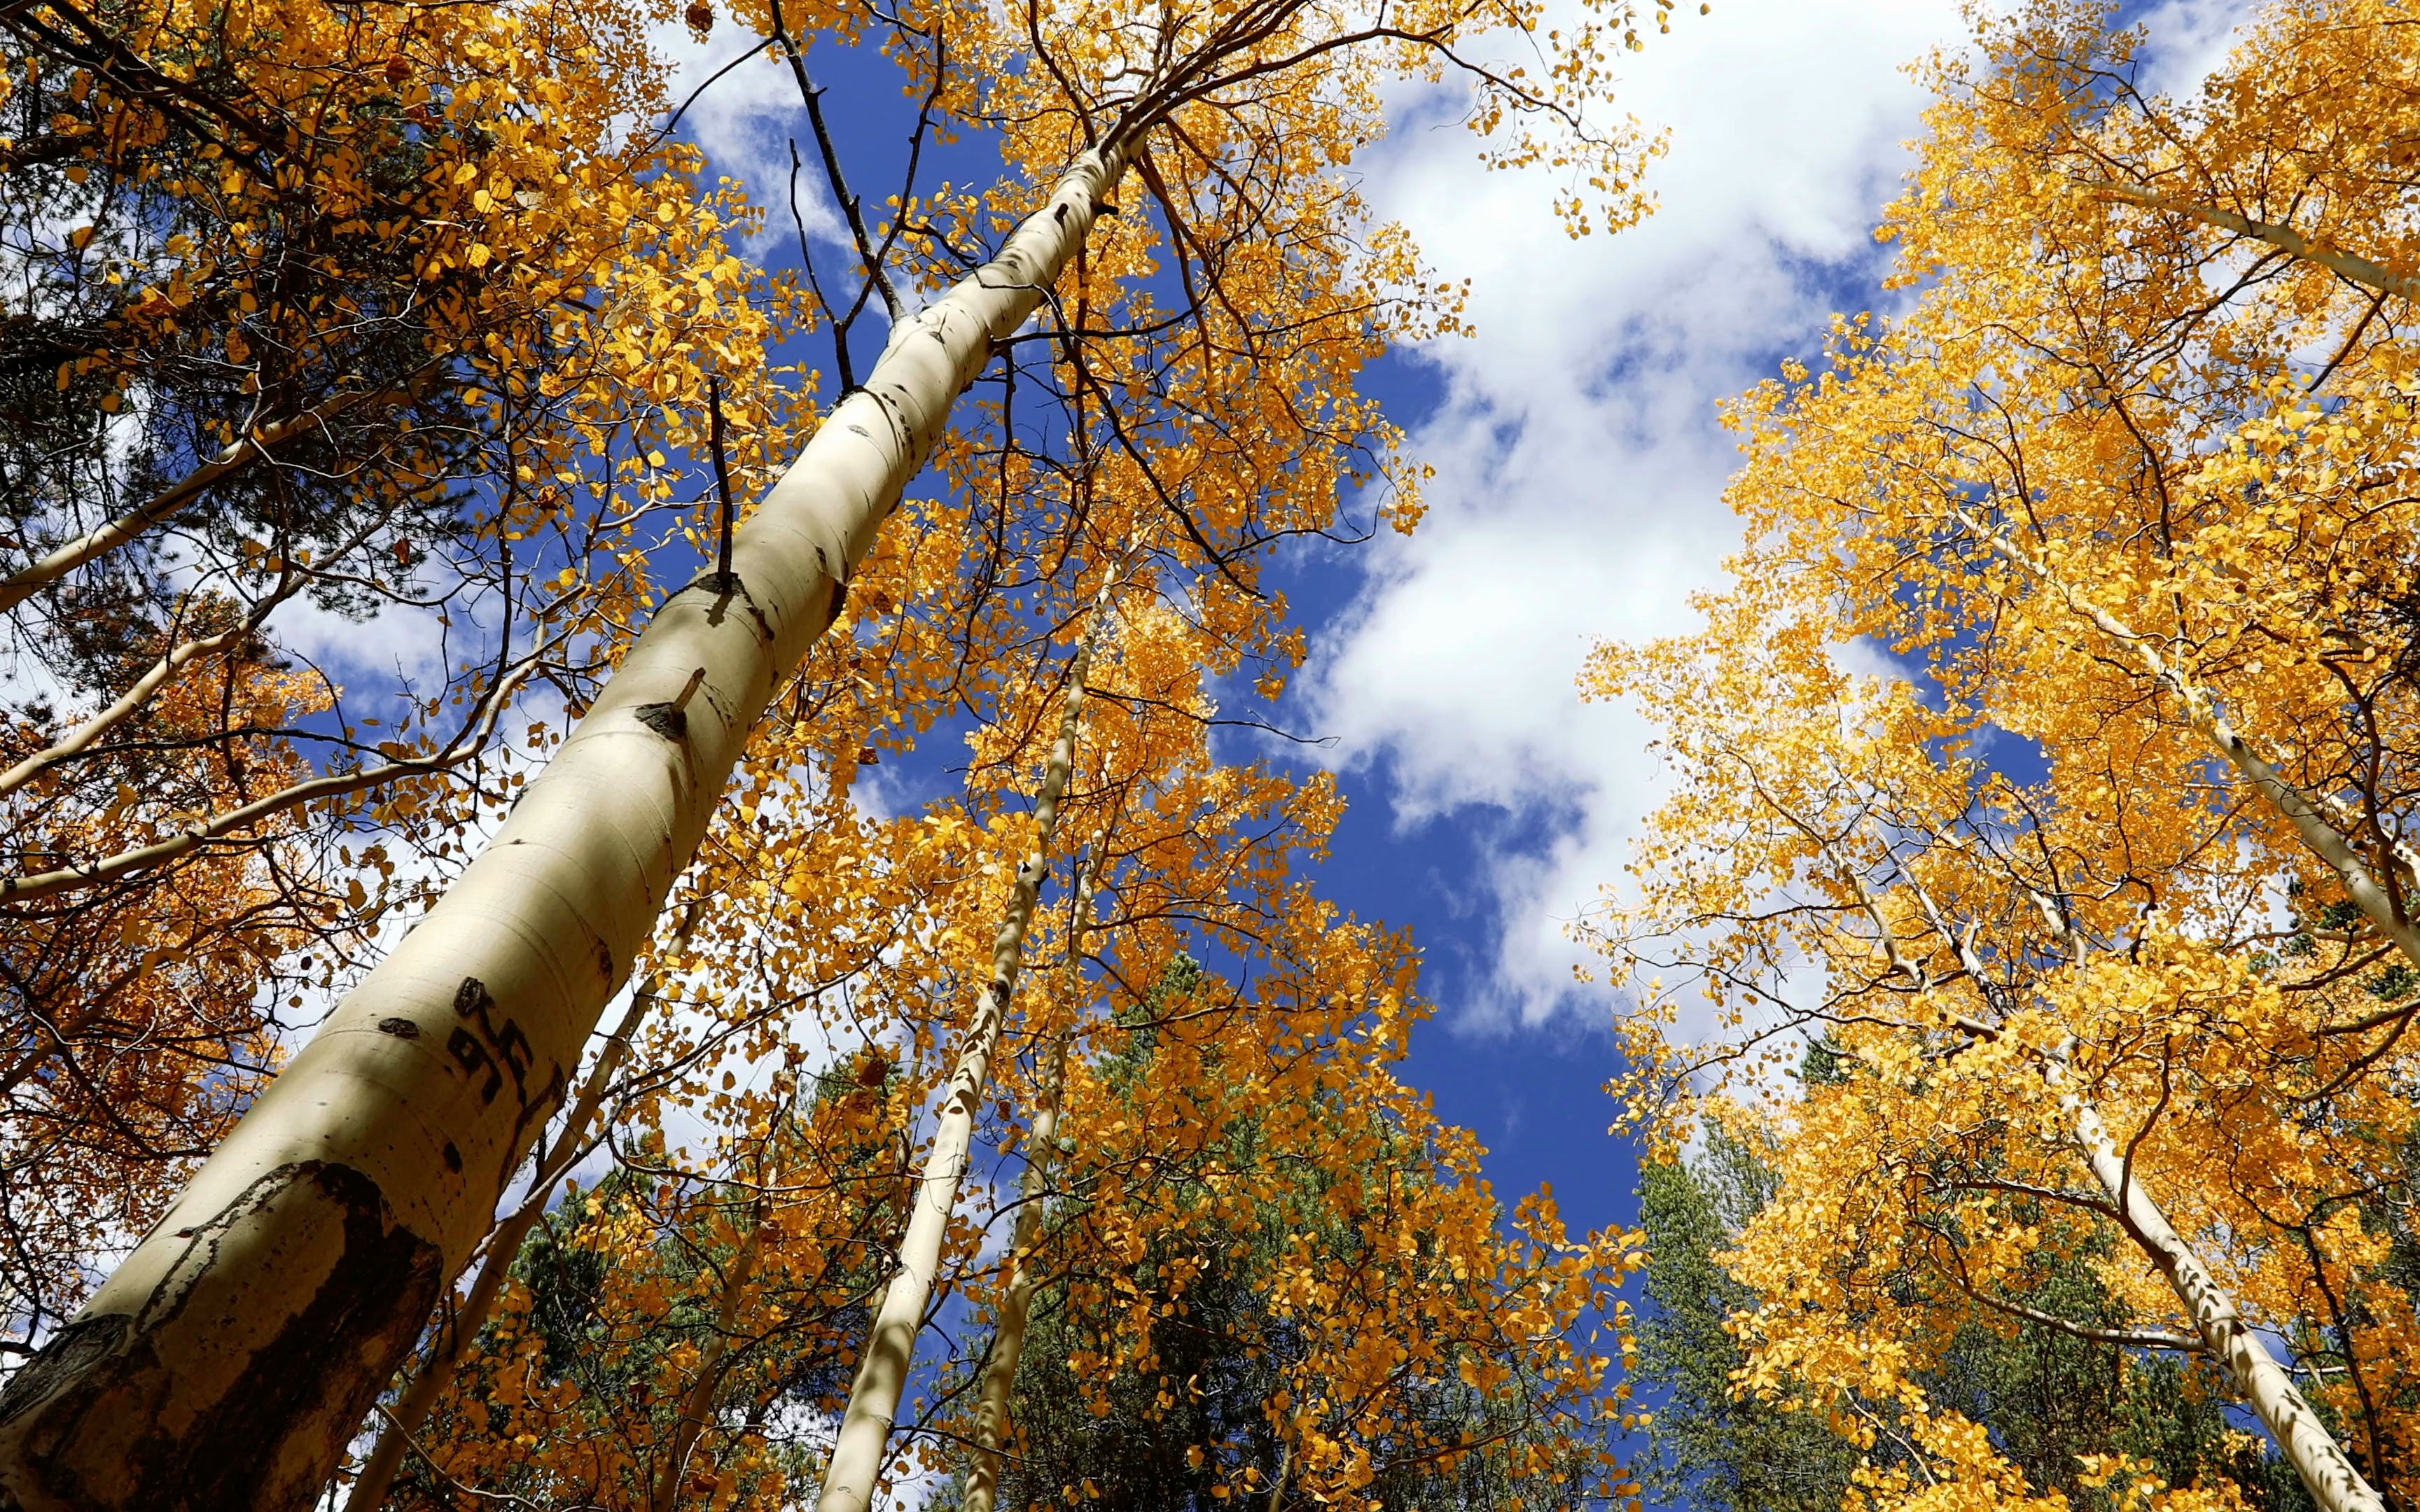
x=1017, y=1299
x=503, y=1245
x=139, y=693
x=857, y=1457
x=2263, y=1384
x=2260, y=1381
x=229, y=1358
x=2203, y=711
x=2285, y=238
x=95, y=544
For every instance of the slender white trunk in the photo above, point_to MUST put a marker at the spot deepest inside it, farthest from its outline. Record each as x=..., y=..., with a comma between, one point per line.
x=140, y=692
x=2264, y=1385
x=2208, y=717
x=231, y=1357
x=1017, y=1299
x=2285, y=238
x=874, y=1397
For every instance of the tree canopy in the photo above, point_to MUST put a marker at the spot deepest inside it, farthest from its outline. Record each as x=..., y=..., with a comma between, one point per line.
x=2043, y=761
x=651, y=858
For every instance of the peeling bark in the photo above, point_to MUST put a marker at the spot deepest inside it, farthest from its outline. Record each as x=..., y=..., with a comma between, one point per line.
x=99, y=1408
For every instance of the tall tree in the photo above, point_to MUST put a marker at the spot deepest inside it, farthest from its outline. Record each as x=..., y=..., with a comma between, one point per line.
x=1300, y=1291
x=2122, y=490
x=864, y=1437
x=273, y=274
x=832, y=925
x=2049, y=1398
x=365, y=1176
x=2040, y=1077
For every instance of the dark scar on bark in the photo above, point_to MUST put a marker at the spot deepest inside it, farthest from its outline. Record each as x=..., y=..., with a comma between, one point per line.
x=473, y=1058
x=726, y=586
x=664, y=719
x=537, y=1109
x=497, y=1052
x=400, y=1028
x=241, y=1446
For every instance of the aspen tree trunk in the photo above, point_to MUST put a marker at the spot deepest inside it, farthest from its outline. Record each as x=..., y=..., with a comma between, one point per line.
x=2265, y=1385
x=1017, y=1300
x=231, y=1357
x=891, y=1344
x=503, y=1245
x=2285, y=238
x=2208, y=717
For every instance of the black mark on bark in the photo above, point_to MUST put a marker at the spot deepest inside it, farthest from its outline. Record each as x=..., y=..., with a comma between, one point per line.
x=726, y=586
x=502, y=1049
x=664, y=719
x=536, y=1110
x=269, y=1437
x=74, y=1351
x=474, y=1060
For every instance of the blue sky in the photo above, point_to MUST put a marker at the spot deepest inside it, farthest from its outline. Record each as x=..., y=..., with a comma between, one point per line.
x=1578, y=496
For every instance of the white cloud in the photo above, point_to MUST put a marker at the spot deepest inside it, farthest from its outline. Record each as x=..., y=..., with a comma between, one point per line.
x=745, y=122
x=1580, y=462
x=2190, y=40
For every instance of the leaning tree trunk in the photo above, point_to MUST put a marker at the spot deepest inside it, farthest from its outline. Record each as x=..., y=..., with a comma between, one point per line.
x=999, y=1388
x=2285, y=238
x=2205, y=714
x=2265, y=1386
x=231, y=1356
x=258, y=445
x=857, y=1454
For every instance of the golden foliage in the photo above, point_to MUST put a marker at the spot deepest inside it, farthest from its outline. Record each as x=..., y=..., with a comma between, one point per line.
x=2046, y=762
